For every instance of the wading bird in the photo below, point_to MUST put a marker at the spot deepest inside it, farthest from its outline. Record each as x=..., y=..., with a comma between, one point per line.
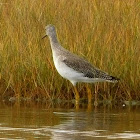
x=72, y=67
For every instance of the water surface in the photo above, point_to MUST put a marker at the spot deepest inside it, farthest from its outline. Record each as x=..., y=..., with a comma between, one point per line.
x=56, y=122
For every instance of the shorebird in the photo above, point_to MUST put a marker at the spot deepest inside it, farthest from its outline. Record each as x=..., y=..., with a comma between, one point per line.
x=72, y=67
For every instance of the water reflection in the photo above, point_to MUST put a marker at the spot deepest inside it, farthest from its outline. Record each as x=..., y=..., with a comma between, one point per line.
x=28, y=120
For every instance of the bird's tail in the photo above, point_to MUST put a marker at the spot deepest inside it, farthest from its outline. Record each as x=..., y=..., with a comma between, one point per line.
x=112, y=79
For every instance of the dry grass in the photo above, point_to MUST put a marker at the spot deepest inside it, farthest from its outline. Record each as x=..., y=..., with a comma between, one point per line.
x=106, y=32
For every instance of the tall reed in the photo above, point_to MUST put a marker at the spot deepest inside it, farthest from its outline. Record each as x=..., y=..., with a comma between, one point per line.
x=106, y=33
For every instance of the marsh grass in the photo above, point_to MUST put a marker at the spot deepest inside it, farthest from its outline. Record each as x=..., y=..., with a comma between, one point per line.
x=106, y=33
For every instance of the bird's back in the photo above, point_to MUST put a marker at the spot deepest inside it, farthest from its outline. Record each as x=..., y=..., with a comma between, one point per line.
x=81, y=65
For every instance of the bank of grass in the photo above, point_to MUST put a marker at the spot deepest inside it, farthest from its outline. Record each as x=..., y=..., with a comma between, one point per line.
x=106, y=33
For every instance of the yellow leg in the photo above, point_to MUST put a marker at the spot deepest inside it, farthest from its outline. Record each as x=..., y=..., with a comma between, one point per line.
x=96, y=94
x=89, y=107
x=89, y=94
x=77, y=97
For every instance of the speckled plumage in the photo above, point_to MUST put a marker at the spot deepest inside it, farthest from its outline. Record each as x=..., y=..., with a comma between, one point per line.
x=73, y=67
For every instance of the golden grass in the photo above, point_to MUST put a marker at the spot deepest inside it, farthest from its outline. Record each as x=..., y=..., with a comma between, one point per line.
x=106, y=32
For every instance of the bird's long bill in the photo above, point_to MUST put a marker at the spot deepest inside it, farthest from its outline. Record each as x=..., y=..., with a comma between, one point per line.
x=44, y=36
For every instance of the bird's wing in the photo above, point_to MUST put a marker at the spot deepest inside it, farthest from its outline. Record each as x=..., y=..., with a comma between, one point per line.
x=83, y=66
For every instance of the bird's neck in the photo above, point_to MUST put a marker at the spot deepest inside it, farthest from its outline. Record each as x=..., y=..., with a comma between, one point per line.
x=54, y=41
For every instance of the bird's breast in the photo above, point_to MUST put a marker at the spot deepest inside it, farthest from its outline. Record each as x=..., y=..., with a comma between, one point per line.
x=64, y=70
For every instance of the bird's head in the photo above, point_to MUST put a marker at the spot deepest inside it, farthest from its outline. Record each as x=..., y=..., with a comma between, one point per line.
x=50, y=30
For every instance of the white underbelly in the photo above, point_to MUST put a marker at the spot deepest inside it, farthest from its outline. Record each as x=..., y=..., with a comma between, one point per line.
x=72, y=75
x=65, y=71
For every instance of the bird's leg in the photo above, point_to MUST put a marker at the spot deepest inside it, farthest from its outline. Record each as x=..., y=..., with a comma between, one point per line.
x=96, y=94
x=89, y=94
x=77, y=97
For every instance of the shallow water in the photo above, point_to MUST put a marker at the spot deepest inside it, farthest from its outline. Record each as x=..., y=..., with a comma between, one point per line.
x=56, y=122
